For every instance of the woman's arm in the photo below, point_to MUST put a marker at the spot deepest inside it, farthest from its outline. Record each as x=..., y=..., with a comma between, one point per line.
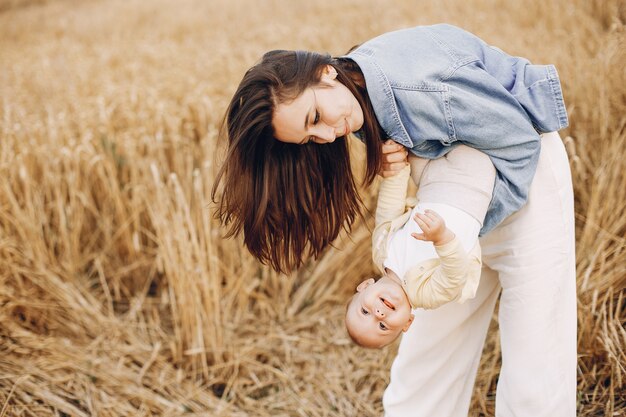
x=499, y=104
x=536, y=88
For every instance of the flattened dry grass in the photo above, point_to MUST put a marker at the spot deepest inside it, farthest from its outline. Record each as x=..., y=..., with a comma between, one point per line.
x=118, y=295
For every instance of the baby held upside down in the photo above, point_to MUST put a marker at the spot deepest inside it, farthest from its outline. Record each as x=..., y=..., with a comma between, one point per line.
x=380, y=310
x=423, y=262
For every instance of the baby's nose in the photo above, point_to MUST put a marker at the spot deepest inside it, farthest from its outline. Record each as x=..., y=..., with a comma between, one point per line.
x=379, y=313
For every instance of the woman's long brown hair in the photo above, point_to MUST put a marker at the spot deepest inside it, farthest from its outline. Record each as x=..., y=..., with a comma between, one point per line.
x=290, y=201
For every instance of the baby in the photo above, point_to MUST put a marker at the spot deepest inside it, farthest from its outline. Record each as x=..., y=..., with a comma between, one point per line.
x=425, y=262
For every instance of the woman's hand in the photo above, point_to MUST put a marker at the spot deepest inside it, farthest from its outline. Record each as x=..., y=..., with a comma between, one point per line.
x=395, y=157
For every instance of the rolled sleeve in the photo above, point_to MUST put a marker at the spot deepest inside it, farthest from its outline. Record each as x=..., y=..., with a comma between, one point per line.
x=537, y=88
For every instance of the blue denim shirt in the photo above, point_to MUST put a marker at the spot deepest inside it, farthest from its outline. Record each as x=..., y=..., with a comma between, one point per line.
x=433, y=87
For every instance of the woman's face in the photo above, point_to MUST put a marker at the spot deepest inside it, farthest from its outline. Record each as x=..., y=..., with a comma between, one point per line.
x=320, y=114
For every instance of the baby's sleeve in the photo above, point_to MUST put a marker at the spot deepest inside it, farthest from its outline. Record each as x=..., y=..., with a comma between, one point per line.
x=435, y=282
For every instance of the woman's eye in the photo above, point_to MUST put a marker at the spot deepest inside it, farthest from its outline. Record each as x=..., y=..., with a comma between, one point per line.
x=364, y=311
x=317, y=117
x=382, y=326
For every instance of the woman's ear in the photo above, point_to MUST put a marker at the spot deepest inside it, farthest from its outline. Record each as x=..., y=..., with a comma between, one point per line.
x=329, y=73
x=364, y=284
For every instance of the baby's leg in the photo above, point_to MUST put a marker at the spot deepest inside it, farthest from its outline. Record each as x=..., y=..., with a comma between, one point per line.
x=434, y=371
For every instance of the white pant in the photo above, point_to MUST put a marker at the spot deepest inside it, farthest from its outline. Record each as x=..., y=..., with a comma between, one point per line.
x=531, y=258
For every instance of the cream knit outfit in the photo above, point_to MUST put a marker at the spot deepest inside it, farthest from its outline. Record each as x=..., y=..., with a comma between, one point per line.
x=462, y=180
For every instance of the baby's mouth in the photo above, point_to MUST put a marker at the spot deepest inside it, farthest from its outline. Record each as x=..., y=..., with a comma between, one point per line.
x=388, y=303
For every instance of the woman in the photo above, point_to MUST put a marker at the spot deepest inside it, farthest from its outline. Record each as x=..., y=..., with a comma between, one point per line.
x=288, y=187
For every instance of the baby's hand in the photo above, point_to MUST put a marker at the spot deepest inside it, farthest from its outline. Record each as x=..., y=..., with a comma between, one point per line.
x=433, y=228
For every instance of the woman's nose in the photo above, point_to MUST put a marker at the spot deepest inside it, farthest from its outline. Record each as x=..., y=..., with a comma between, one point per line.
x=329, y=135
x=326, y=134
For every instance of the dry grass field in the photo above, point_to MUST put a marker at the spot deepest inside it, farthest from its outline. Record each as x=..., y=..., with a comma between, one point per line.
x=118, y=295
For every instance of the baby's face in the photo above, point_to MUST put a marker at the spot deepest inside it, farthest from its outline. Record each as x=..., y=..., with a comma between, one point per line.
x=378, y=312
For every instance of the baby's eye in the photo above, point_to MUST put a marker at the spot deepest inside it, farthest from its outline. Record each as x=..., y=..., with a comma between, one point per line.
x=364, y=312
x=382, y=326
